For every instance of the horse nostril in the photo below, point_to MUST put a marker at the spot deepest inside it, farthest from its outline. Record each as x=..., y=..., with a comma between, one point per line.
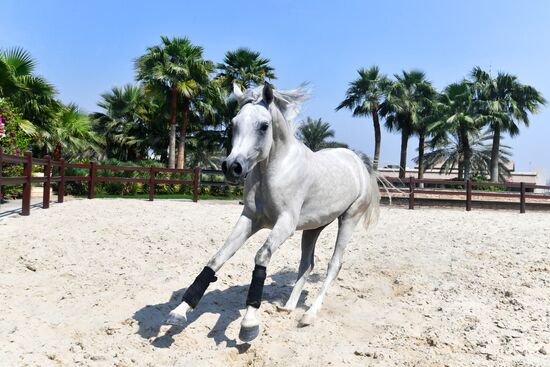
x=224, y=167
x=237, y=168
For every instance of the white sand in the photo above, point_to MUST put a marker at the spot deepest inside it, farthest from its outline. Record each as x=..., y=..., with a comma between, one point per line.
x=89, y=283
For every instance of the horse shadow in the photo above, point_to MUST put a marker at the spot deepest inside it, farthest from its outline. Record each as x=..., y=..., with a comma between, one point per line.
x=227, y=303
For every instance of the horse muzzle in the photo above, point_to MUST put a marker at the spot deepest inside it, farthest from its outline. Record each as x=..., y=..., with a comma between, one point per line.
x=234, y=171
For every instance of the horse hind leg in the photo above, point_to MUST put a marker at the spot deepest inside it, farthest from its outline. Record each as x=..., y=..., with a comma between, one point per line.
x=346, y=225
x=309, y=238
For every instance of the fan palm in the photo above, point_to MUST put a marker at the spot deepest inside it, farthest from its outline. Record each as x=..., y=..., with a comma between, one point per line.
x=205, y=123
x=124, y=123
x=245, y=68
x=457, y=115
x=402, y=108
x=207, y=150
x=69, y=135
x=177, y=66
x=32, y=95
x=427, y=115
x=314, y=134
x=15, y=63
x=446, y=153
x=364, y=97
x=504, y=103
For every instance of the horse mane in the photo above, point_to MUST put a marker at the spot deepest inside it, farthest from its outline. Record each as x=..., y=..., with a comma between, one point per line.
x=289, y=101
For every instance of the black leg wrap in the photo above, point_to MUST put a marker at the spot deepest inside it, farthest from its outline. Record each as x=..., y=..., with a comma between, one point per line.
x=256, y=289
x=194, y=293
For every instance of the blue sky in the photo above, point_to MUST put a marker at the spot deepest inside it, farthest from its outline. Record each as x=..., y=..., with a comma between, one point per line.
x=85, y=48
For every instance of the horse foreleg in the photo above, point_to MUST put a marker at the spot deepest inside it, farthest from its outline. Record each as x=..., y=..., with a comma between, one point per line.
x=283, y=229
x=345, y=230
x=244, y=228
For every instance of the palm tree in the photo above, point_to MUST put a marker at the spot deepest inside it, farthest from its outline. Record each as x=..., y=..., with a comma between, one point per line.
x=205, y=123
x=314, y=134
x=427, y=115
x=16, y=64
x=245, y=68
x=504, y=103
x=364, y=97
x=402, y=107
x=207, y=149
x=457, y=115
x=69, y=135
x=446, y=153
x=32, y=95
x=8, y=84
x=177, y=66
x=55, y=128
x=124, y=123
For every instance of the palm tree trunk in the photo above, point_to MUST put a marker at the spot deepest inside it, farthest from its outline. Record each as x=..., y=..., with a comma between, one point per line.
x=172, y=146
x=57, y=152
x=467, y=159
x=403, y=160
x=377, y=138
x=495, y=154
x=421, y=146
x=467, y=151
x=183, y=132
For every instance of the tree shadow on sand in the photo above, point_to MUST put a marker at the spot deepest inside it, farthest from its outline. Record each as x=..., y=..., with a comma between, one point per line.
x=227, y=303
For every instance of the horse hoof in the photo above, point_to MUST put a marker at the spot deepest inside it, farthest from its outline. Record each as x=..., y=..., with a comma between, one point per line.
x=306, y=320
x=284, y=309
x=249, y=333
x=176, y=319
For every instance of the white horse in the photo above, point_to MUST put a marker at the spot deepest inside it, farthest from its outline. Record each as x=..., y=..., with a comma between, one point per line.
x=287, y=188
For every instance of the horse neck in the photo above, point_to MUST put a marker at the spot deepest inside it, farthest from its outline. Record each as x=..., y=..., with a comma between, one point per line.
x=283, y=136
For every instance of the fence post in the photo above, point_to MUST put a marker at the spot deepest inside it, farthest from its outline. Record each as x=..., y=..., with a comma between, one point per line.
x=27, y=169
x=468, y=195
x=61, y=185
x=522, y=198
x=91, y=181
x=47, y=183
x=196, y=179
x=411, y=192
x=152, y=173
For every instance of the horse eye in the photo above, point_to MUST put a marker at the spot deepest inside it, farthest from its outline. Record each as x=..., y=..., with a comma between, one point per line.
x=264, y=126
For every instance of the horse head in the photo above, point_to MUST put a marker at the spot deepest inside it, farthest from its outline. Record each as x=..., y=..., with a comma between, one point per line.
x=263, y=121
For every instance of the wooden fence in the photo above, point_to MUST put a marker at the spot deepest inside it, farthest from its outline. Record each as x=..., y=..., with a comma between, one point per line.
x=411, y=187
x=465, y=190
x=92, y=178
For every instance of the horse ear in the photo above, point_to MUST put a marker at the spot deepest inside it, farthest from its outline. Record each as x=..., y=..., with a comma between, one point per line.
x=267, y=94
x=237, y=92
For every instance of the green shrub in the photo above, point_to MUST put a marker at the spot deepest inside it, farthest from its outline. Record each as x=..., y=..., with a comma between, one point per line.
x=127, y=188
x=13, y=140
x=133, y=188
x=486, y=188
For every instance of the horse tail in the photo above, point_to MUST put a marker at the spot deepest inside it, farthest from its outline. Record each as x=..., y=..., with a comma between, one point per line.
x=373, y=192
